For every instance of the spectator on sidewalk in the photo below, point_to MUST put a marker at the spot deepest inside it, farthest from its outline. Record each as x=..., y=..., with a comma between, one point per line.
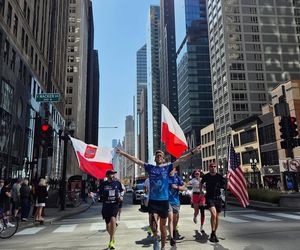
x=16, y=200
x=25, y=194
x=41, y=197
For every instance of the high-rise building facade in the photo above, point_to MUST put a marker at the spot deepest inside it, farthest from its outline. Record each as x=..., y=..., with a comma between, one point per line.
x=141, y=109
x=153, y=89
x=129, y=146
x=29, y=65
x=92, y=92
x=167, y=57
x=77, y=66
x=193, y=69
x=254, y=45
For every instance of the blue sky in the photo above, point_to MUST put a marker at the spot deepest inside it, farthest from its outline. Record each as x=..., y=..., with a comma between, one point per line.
x=120, y=30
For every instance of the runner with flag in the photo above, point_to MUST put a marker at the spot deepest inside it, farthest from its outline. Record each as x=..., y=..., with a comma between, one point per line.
x=158, y=205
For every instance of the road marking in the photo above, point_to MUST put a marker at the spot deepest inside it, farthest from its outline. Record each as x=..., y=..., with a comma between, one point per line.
x=135, y=224
x=98, y=226
x=65, y=228
x=289, y=216
x=260, y=217
x=30, y=231
x=233, y=220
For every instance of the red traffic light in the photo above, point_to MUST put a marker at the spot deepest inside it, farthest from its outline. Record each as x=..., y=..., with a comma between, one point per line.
x=45, y=127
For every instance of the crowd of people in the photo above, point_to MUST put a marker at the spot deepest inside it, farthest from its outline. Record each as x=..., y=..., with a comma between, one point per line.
x=17, y=197
x=162, y=198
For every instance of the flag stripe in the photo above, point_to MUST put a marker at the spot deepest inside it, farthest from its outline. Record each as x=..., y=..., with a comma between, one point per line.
x=172, y=135
x=236, y=180
x=173, y=143
x=96, y=169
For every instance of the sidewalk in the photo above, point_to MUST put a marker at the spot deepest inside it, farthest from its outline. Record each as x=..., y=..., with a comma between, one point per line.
x=55, y=214
x=263, y=206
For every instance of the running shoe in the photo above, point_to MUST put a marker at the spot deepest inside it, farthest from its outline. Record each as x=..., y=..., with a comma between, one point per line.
x=156, y=243
x=173, y=242
x=111, y=244
x=8, y=224
x=195, y=220
x=213, y=238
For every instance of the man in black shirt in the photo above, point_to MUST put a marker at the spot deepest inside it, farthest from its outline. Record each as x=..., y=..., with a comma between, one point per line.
x=214, y=182
x=110, y=192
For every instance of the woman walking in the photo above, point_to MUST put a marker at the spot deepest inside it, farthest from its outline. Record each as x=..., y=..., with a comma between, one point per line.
x=198, y=198
x=41, y=197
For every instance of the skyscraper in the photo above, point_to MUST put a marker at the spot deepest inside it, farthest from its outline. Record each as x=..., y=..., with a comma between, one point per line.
x=129, y=146
x=153, y=89
x=254, y=45
x=167, y=57
x=141, y=108
x=193, y=69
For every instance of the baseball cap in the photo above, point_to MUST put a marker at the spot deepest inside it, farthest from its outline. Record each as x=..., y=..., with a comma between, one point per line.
x=108, y=172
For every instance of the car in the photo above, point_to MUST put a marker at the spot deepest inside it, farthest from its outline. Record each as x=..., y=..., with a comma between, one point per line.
x=128, y=189
x=138, y=191
x=186, y=196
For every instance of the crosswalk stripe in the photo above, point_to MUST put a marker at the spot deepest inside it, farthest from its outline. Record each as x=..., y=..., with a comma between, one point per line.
x=30, y=231
x=260, y=217
x=135, y=224
x=98, y=226
x=289, y=216
x=233, y=220
x=65, y=228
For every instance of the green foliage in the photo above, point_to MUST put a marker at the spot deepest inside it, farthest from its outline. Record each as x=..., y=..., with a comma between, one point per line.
x=264, y=195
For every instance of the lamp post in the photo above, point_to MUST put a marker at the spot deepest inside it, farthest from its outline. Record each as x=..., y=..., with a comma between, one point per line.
x=67, y=131
x=253, y=163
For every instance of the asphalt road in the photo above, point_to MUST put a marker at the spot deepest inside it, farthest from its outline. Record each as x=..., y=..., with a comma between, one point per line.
x=241, y=229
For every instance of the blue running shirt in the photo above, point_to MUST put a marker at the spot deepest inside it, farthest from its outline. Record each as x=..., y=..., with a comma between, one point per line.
x=174, y=193
x=159, y=181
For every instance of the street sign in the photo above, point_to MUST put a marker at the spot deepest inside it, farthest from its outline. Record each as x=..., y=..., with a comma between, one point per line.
x=48, y=97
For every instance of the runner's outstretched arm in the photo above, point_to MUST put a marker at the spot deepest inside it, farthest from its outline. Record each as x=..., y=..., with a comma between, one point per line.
x=187, y=156
x=130, y=157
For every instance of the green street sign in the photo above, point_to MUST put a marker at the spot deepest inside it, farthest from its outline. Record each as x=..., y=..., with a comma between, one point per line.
x=48, y=97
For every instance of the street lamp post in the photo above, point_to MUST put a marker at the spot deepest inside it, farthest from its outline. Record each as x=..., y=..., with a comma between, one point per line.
x=65, y=138
x=253, y=163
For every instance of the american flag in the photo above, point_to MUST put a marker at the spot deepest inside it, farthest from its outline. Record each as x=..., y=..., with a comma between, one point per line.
x=236, y=180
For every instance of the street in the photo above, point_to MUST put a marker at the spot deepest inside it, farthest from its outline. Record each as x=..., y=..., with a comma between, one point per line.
x=241, y=229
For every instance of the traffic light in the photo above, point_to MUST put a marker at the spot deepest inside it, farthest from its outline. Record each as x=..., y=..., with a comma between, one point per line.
x=284, y=127
x=293, y=127
x=46, y=135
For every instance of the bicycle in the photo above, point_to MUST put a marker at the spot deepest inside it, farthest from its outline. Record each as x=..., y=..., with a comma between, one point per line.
x=8, y=226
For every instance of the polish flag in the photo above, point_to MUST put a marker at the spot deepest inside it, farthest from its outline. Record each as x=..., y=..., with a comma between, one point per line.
x=171, y=134
x=93, y=160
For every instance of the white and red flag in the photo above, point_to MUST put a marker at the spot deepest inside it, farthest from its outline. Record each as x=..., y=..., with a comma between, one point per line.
x=236, y=180
x=92, y=159
x=171, y=134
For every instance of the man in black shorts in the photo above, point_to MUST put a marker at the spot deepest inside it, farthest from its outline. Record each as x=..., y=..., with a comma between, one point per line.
x=214, y=182
x=110, y=192
x=158, y=206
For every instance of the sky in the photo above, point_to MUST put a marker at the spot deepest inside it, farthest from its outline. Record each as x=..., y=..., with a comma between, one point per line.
x=120, y=28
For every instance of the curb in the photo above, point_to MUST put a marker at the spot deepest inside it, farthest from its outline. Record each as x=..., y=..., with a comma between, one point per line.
x=59, y=217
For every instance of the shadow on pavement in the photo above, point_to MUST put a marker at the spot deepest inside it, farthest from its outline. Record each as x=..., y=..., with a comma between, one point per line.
x=201, y=237
x=253, y=247
x=146, y=242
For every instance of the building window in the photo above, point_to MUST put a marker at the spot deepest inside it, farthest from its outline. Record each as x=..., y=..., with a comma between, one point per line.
x=69, y=90
x=255, y=38
x=72, y=29
x=6, y=100
x=2, y=4
x=68, y=111
x=9, y=15
x=71, y=39
x=253, y=19
x=70, y=79
x=6, y=51
x=15, y=27
x=259, y=76
x=13, y=60
x=72, y=10
x=248, y=136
